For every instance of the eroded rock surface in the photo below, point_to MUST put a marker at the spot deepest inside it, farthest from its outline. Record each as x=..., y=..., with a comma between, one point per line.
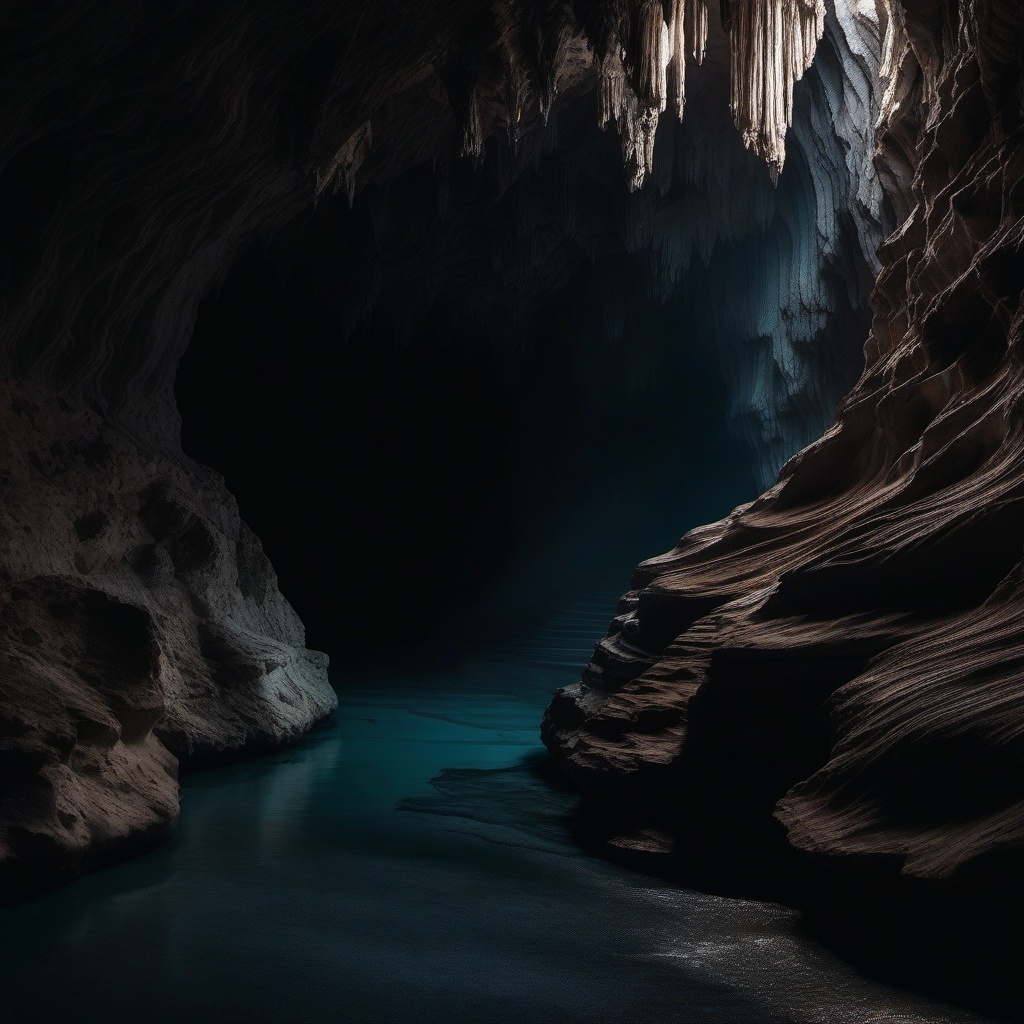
x=140, y=627
x=845, y=653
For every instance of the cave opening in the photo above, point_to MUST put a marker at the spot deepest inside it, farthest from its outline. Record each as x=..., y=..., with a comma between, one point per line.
x=470, y=381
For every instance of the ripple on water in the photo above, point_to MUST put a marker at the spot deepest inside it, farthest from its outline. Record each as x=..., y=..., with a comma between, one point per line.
x=336, y=881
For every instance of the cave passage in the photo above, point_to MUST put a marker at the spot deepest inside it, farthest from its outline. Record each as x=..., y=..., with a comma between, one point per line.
x=478, y=379
x=403, y=332
x=399, y=485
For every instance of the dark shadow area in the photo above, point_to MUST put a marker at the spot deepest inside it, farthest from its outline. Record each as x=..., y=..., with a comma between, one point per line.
x=885, y=926
x=964, y=948
x=393, y=480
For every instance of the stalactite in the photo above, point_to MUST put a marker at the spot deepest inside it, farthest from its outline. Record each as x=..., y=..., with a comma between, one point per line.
x=340, y=173
x=553, y=40
x=473, y=129
x=637, y=124
x=612, y=85
x=640, y=50
x=773, y=43
x=637, y=129
x=652, y=56
x=697, y=28
x=517, y=95
x=677, y=64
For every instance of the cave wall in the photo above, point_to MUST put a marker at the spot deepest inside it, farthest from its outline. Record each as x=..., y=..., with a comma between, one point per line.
x=837, y=666
x=140, y=627
x=129, y=182
x=788, y=308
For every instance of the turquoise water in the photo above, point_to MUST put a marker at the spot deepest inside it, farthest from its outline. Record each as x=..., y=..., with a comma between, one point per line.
x=408, y=864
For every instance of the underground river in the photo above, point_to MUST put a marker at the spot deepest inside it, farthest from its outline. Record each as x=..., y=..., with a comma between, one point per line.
x=407, y=862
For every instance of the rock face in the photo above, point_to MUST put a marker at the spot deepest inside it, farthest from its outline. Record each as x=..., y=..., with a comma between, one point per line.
x=845, y=653
x=140, y=627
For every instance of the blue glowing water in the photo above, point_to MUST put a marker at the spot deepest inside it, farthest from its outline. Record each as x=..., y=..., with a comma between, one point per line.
x=333, y=882
x=343, y=880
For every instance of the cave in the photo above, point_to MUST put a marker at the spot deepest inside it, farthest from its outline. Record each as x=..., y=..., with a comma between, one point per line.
x=451, y=464
x=360, y=361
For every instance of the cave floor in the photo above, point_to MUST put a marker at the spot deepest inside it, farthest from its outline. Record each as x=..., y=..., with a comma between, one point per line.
x=409, y=863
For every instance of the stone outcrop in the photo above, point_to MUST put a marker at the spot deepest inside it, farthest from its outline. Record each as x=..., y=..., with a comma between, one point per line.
x=140, y=627
x=845, y=653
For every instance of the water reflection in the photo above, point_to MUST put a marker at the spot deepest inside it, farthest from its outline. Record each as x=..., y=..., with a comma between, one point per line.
x=296, y=890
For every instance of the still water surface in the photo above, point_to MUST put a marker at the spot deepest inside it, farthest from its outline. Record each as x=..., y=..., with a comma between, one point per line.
x=335, y=881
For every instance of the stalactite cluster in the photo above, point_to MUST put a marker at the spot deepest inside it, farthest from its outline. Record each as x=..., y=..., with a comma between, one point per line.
x=640, y=53
x=780, y=272
x=773, y=44
x=642, y=58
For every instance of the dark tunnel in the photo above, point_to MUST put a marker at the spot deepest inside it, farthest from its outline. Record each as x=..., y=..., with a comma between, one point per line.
x=396, y=484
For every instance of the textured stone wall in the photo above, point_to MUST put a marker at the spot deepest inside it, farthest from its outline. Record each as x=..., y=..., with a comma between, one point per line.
x=845, y=653
x=140, y=627
x=785, y=302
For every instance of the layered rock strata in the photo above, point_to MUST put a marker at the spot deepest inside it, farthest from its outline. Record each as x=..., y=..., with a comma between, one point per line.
x=845, y=653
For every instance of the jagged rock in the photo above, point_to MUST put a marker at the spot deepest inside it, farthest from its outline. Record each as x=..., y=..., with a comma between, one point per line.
x=140, y=627
x=845, y=653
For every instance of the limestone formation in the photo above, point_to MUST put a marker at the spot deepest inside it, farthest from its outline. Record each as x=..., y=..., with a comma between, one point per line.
x=140, y=627
x=845, y=653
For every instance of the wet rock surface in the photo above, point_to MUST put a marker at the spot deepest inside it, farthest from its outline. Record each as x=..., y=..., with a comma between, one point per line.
x=836, y=667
